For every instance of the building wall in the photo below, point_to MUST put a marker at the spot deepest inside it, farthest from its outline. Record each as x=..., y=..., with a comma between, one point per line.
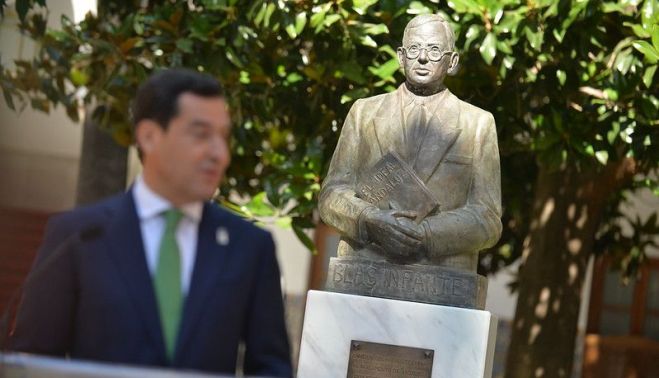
x=38, y=152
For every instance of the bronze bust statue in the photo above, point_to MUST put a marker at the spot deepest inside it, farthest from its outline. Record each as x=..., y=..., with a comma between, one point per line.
x=415, y=177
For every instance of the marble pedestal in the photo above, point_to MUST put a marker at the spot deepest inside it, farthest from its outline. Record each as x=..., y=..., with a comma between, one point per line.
x=462, y=339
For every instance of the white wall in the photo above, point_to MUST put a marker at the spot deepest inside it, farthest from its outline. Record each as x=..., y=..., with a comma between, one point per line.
x=39, y=152
x=500, y=301
x=294, y=260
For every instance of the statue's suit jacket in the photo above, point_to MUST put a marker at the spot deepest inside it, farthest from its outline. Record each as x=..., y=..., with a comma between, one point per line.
x=457, y=158
x=90, y=296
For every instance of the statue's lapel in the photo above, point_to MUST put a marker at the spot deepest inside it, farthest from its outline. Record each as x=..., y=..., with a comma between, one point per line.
x=388, y=125
x=441, y=133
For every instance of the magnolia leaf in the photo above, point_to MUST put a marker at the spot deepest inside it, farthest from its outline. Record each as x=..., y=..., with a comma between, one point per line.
x=354, y=95
x=561, y=76
x=318, y=16
x=332, y=18
x=244, y=77
x=465, y=6
x=375, y=29
x=386, y=70
x=294, y=77
x=258, y=206
x=304, y=238
x=649, y=13
x=649, y=75
x=611, y=94
x=637, y=29
x=9, y=100
x=290, y=30
x=351, y=71
x=128, y=44
x=42, y=104
x=360, y=6
x=231, y=55
x=624, y=61
x=559, y=34
x=300, y=22
x=535, y=38
x=416, y=7
x=366, y=40
x=78, y=77
x=648, y=50
x=602, y=156
x=284, y=222
x=388, y=50
x=614, y=7
x=260, y=15
x=488, y=48
x=185, y=45
x=576, y=9
x=22, y=6
x=268, y=13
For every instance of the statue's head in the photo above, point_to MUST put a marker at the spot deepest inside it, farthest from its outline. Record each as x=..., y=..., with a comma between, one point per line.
x=428, y=53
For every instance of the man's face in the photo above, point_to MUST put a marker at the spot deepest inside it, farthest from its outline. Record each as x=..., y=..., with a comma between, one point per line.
x=421, y=72
x=186, y=162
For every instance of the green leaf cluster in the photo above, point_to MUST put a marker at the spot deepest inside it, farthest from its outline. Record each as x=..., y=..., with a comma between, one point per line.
x=570, y=82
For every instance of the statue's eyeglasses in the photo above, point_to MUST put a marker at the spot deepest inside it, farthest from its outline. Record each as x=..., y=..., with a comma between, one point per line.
x=434, y=53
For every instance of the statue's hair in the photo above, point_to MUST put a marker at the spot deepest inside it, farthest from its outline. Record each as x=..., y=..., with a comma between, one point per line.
x=423, y=19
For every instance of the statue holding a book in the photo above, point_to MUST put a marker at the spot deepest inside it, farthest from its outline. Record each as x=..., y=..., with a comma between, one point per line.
x=415, y=177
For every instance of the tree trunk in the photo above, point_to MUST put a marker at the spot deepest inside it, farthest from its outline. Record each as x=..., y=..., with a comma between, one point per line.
x=566, y=214
x=103, y=165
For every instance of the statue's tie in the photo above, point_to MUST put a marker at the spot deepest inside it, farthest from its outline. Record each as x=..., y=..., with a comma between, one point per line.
x=167, y=282
x=416, y=126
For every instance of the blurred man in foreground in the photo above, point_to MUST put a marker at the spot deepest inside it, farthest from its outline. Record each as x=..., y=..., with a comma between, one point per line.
x=158, y=275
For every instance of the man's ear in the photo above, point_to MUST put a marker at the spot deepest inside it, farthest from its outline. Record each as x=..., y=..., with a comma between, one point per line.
x=454, y=64
x=401, y=57
x=147, y=135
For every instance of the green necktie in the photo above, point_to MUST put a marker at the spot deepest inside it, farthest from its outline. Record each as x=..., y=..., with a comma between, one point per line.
x=167, y=281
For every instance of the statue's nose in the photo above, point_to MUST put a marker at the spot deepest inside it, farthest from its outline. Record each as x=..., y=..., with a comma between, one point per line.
x=423, y=56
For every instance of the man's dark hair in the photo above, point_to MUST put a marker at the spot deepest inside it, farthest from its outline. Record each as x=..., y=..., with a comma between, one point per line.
x=157, y=98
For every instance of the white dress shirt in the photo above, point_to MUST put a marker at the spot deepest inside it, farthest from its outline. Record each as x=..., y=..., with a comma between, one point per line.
x=150, y=208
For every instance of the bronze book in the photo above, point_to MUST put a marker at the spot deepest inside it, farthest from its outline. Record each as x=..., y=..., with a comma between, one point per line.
x=392, y=184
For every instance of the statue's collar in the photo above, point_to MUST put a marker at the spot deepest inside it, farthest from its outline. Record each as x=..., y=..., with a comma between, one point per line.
x=408, y=97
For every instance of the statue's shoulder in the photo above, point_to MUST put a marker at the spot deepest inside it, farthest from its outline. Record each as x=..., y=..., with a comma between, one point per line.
x=473, y=111
x=373, y=100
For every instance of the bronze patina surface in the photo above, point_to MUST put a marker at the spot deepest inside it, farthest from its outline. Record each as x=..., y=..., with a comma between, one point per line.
x=412, y=282
x=415, y=176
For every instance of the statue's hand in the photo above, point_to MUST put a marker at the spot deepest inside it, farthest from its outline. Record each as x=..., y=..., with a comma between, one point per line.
x=394, y=231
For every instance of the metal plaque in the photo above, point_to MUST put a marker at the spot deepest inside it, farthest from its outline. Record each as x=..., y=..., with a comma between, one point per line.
x=374, y=360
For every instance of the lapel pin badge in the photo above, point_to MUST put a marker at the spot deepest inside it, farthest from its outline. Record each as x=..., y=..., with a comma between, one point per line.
x=222, y=236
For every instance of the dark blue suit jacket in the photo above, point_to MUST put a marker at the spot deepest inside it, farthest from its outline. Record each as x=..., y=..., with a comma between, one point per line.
x=90, y=295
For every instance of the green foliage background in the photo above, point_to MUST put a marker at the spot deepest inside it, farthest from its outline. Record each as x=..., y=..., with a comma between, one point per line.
x=568, y=81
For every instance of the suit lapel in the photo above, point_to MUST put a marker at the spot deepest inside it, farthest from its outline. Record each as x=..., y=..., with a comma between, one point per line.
x=442, y=131
x=210, y=259
x=127, y=252
x=389, y=128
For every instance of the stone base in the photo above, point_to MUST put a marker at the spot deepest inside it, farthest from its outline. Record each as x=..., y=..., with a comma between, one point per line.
x=461, y=340
x=419, y=283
